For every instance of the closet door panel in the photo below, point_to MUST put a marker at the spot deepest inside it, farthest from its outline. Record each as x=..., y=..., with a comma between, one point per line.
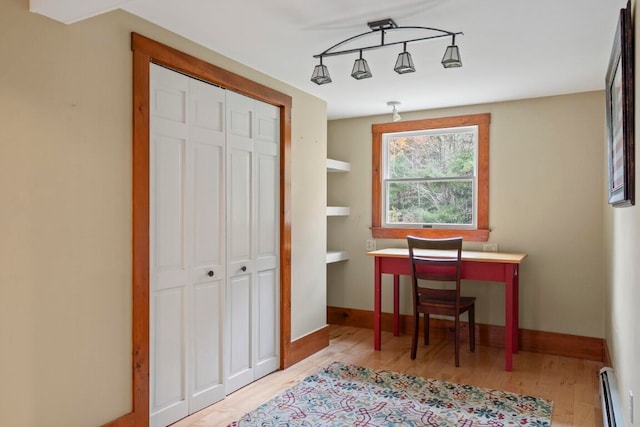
x=169, y=246
x=267, y=225
x=168, y=269
x=207, y=386
x=239, y=208
x=267, y=185
x=168, y=95
x=207, y=280
x=266, y=268
x=168, y=192
x=208, y=214
x=207, y=261
x=168, y=394
x=267, y=341
x=240, y=182
x=240, y=248
x=206, y=133
x=266, y=237
x=239, y=325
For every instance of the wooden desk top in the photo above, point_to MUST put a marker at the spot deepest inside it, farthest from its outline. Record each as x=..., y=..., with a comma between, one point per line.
x=466, y=255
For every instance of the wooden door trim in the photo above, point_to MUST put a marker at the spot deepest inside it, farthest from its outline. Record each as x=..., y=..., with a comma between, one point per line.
x=146, y=51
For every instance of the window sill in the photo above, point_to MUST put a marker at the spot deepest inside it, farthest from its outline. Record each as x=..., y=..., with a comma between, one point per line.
x=480, y=235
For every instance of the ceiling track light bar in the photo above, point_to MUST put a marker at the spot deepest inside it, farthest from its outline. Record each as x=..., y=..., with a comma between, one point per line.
x=329, y=52
x=404, y=63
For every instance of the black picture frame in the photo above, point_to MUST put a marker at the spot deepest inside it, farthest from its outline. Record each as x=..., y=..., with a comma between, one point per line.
x=620, y=115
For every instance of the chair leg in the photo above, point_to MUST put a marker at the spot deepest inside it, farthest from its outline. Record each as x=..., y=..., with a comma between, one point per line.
x=414, y=338
x=426, y=328
x=457, y=340
x=472, y=328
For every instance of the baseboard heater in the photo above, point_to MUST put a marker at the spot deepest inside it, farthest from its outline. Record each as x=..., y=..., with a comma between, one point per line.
x=611, y=415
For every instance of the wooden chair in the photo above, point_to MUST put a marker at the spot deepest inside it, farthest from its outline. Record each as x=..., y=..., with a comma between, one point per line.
x=438, y=260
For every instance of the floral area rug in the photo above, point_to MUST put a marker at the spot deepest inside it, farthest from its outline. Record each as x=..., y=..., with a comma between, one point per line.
x=347, y=395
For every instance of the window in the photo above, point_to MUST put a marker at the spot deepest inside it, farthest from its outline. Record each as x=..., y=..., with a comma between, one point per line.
x=430, y=178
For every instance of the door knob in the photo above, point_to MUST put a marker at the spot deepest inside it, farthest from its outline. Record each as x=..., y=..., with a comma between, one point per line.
x=244, y=268
x=210, y=273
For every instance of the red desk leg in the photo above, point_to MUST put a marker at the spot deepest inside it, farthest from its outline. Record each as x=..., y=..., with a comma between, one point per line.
x=516, y=307
x=511, y=327
x=377, y=305
x=396, y=305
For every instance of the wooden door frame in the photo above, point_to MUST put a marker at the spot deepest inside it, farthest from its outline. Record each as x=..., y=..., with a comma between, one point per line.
x=145, y=52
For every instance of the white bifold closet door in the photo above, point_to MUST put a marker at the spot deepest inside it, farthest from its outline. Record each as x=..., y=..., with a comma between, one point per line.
x=214, y=269
x=253, y=135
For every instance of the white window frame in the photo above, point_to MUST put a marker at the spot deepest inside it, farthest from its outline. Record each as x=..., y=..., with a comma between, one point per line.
x=386, y=180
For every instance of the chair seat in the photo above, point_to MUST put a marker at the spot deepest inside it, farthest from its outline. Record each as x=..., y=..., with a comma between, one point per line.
x=446, y=303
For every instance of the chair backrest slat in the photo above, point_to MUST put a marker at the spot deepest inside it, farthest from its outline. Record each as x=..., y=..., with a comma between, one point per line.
x=442, y=263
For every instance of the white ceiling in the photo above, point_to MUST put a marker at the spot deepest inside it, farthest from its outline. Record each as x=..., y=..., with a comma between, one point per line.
x=511, y=49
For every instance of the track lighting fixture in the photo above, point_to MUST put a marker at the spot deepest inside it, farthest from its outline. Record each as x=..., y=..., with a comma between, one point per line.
x=404, y=63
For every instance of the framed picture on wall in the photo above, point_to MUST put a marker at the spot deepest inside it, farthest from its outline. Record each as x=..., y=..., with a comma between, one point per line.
x=620, y=114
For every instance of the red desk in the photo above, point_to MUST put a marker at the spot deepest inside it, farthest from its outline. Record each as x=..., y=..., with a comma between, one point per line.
x=483, y=266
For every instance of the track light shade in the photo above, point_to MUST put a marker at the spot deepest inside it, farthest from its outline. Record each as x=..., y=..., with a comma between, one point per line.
x=404, y=63
x=320, y=74
x=360, y=69
x=451, y=58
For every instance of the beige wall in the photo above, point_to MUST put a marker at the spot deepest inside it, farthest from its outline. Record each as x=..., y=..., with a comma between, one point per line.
x=622, y=279
x=309, y=230
x=65, y=213
x=545, y=199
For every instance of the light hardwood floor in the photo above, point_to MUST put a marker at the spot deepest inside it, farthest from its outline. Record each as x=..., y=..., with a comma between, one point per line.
x=572, y=384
